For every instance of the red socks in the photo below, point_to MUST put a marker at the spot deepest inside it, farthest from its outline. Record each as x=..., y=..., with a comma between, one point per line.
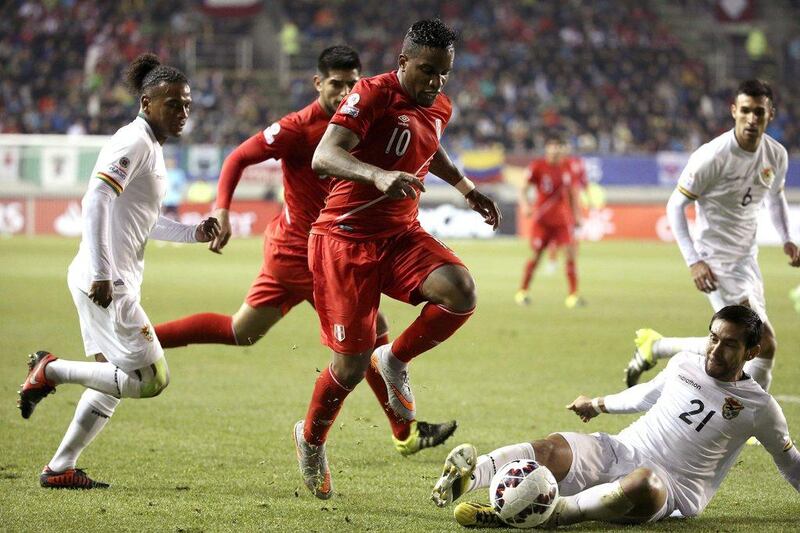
x=434, y=325
x=203, y=328
x=326, y=402
x=572, y=277
x=530, y=266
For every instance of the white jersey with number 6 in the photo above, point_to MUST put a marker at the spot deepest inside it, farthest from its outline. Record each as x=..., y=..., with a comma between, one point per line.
x=695, y=427
x=729, y=185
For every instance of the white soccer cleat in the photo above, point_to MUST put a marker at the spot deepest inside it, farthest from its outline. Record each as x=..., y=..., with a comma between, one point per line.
x=401, y=399
x=313, y=464
x=458, y=468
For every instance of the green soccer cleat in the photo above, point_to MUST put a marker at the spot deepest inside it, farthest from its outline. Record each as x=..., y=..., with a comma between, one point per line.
x=643, y=358
x=794, y=295
x=458, y=468
x=522, y=298
x=424, y=435
x=573, y=301
x=471, y=514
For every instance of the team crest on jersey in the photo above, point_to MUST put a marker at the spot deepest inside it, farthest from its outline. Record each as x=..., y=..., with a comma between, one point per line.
x=767, y=176
x=349, y=108
x=338, y=332
x=146, y=333
x=731, y=408
x=271, y=132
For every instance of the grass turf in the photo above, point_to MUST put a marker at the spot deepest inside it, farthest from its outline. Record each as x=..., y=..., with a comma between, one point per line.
x=214, y=452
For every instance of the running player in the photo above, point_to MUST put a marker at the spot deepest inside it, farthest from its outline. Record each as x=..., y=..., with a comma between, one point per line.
x=555, y=214
x=285, y=280
x=728, y=179
x=120, y=213
x=381, y=142
x=699, y=411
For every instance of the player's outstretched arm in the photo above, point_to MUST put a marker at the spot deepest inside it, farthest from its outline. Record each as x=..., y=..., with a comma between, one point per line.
x=702, y=275
x=333, y=158
x=772, y=432
x=587, y=408
x=442, y=166
x=169, y=230
x=254, y=150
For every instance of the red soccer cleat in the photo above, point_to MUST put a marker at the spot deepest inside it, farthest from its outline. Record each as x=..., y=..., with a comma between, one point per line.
x=36, y=385
x=74, y=478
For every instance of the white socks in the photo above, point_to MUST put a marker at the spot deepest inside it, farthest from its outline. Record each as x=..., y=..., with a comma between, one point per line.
x=601, y=502
x=760, y=369
x=666, y=347
x=103, y=377
x=488, y=464
x=91, y=415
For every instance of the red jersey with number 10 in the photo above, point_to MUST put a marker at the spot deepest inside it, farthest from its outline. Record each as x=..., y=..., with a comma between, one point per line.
x=395, y=134
x=552, y=182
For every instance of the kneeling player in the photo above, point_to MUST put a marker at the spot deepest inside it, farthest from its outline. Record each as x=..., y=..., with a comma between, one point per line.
x=699, y=411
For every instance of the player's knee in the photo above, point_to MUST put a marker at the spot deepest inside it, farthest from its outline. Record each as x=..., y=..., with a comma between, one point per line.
x=554, y=453
x=646, y=490
x=460, y=293
x=349, y=370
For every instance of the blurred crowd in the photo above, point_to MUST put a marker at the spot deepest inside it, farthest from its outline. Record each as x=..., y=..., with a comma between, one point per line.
x=607, y=73
x=62, y=65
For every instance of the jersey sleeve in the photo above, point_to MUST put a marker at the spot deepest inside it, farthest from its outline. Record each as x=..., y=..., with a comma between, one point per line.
x=275, y=142
x=641, y=397
x=120, y=161
x=698, y=174
x=772, y=432
x=365, y=103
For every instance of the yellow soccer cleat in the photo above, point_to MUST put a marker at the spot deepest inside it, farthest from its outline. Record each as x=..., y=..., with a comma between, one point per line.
x=522, y=298
x=458, y=468
x=573, y=301
x=424, y=435
x=643, y=358
x=471, y=514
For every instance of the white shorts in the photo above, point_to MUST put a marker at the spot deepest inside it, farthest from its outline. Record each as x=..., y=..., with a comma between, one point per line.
x=738, y=282
x=122, y=332
x=600, y=458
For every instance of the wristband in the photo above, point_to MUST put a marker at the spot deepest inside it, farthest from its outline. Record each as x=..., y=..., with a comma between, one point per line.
x=596, y=405
x=465, y=186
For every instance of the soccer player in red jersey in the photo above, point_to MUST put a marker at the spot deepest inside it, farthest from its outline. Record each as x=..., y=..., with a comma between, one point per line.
x=285, y=279
x=381, y=142
x=555, y=214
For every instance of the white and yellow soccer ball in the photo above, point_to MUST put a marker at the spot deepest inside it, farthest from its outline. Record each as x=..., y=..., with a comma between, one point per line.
x=523, y=493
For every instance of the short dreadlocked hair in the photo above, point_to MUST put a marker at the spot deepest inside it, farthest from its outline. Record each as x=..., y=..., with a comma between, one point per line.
x=429, y=33
x=147, y=71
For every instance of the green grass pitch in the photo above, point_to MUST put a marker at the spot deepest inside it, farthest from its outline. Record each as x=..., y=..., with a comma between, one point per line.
x=215, y=453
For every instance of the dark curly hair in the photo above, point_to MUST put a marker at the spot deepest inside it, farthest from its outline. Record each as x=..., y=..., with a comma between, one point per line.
x=743, y=317
x=147, y=71
x=755, y=88
x=429, y=33
x=339, y=57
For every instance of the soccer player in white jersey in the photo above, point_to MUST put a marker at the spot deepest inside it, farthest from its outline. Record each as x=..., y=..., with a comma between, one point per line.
x=699, y=411
x=120, y=213
x=728, y=179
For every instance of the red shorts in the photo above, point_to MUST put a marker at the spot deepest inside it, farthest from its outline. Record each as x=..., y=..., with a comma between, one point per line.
x=544, y=234
x=349, y=277
x=284, y=280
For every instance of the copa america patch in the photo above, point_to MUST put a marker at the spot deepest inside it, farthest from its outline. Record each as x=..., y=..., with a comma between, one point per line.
x=338, y=332
x=124, y=162
x=271, y=132
x=349, y=108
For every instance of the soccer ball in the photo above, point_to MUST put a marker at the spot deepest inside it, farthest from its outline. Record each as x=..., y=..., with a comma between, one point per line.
x=523, y=492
